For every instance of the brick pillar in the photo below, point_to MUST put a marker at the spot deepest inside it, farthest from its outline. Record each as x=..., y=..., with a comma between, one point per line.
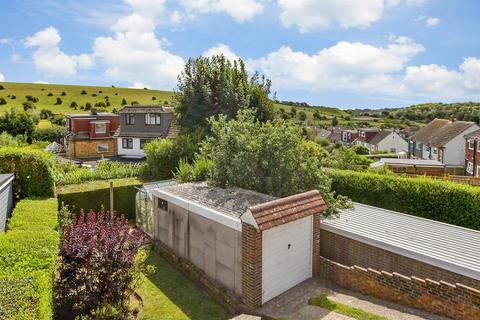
x=316, y=244
x=251, y=266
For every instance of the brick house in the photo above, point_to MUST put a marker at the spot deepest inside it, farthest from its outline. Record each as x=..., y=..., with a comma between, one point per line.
x=253, y=245
x=348, y=136
x=91, y=135
x=142, y=123
x=472, y=154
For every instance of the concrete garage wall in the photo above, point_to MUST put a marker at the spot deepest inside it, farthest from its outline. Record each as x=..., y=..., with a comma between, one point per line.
x=212, y=247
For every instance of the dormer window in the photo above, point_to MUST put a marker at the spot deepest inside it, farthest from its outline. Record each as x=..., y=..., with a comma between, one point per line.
x=100, y=128
x=152, y=119
x=130, y=119
x=471, y=143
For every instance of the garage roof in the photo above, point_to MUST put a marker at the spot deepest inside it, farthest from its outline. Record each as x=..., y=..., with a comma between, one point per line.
x=443, y=245
x=5, y=179
x=407, y=162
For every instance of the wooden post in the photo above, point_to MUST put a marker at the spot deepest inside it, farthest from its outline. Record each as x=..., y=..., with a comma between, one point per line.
x=111, y=197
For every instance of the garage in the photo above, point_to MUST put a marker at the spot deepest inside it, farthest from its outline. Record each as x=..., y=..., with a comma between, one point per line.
x=287, y=257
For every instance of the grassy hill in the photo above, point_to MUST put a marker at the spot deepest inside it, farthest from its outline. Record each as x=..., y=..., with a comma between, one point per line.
x=93, y=95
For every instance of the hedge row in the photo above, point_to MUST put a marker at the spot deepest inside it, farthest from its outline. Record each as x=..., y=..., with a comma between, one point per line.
x=28, y=251
x=33, y=169
x=93, y=195
x=421, y=196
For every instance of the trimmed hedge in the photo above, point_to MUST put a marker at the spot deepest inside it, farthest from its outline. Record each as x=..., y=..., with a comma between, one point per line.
x=28, y=251
x=93, y=195
x=420, y=196
x=33, y=169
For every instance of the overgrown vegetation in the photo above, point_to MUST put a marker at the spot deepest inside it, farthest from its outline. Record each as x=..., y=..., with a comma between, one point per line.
x=420, y=196
x=324, y=302
x=27, y=260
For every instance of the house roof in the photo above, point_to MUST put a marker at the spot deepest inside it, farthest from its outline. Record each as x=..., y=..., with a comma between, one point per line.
x=439, y=244
x=407, y=162
x=92, y=116
x=473, y=135
x=440, y=131
x=141, y=108
x=379, y=136
x=280, y=211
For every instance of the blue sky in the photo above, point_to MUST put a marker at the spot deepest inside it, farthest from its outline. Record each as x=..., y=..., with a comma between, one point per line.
x=351, y=53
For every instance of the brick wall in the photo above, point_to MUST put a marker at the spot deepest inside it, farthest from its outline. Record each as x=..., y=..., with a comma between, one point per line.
x=316, y=243
x=89, y=148
x=251, y=266
x=455, y=301
x=351, y=252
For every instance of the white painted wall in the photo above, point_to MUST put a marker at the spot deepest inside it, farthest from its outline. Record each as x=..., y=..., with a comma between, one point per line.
x=455, y=149
x=393, y=140
x=136, y=151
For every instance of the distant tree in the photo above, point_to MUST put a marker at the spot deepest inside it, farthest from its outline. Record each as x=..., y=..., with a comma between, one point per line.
x=2, y=87
x=361, y=150
x=100, y=105
x=59, y=101
x=50, y=134
x=31, y=98
x=3, y=101
x=27, y=105
x=124, y=102
x=116, y=93
x=83, y=92
x=334, y=122
x=209, y=86
x=50, y=94
x=73, y=104
x=13, y=97
x=46, y=114
x=64, y=93
x=302, y=116
x=154, y=98
x=94, y=94
x=108, y=104
x=346, y=159
x=134, y=103
x=16, y=123
x=293, y=112
x=317, y=116
x=100, y=91
x=43, y=89
x=88, y=106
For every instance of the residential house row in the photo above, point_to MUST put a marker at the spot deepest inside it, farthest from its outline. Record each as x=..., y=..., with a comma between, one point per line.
x=125, y=134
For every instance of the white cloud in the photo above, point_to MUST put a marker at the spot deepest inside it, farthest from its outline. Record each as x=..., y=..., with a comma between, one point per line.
x=41, y=82
x=2, y=78
x=432, y=80
x=471, y=70
x=346, y=65
x=176, y=17
x=432, y=21
x=309, y=15
x=415, y=3
x=240, y=11
x=134, y=53
x=221, y=48
x=48, y=57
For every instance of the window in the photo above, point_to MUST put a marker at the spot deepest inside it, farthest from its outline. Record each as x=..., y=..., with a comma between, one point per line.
x=471, y=143
x=393, y=150
x=162, y=204
x=143, y=142
x=130, y=118
x=152, y=119
x=362, y=133
x=470, y=167
x=100, y=128
x=102, y=148
x=127, y=143
x=478, y=146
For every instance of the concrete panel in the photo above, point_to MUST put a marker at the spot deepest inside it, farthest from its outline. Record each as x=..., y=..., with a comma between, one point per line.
x=210, y=262
x=225, y=276
x=225, y=254
x=198, y=257
x=238, y=263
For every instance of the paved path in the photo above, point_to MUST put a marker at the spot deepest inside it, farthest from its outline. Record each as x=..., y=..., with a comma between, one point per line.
x=293, y=304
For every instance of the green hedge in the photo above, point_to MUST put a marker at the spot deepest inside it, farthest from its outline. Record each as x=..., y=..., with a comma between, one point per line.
x=92, y=195
x=28, y=251
x=421, y=196
x=33, y=169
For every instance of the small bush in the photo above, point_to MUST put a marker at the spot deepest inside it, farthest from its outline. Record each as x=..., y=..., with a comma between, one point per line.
x=33, y=169
x=134, y=103
x=124, y=102
x=2, y=87
x=46, y=114
x=361, y=150
x=162, y=158
x=154, y=98
x=7, y=140
x=88, y=106
x=64, y=93
x=28, y=105
x=59, y=101
x=83, y=92
x=3, y=101
x=31, y=99
x=13, y=97
x=94, y=94
x=53, y=133
x=50, y=94
x=73, y=105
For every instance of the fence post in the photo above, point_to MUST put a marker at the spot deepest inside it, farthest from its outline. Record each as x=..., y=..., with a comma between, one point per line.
x=111, y=197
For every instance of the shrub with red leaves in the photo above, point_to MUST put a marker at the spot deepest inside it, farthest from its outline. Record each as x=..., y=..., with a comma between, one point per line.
x=96, y=264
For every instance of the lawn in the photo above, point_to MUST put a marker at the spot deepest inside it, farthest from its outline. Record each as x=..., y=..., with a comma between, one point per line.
x=73, y=93
x=325, y=302
x=168, y=295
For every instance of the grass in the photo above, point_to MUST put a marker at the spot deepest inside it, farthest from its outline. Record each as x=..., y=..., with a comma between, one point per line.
x=44, y=124
x=73, y=93
x=324, y=302
x=168, y=295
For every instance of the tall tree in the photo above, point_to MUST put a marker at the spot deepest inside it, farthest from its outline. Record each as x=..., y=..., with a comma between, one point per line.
x=212, y=86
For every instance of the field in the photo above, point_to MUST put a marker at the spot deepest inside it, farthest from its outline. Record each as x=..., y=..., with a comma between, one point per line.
x=73, y=93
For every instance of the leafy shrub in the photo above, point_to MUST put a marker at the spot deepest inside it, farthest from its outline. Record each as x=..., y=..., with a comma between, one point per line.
x=359, y=149
x=134, y=103
x=31, y=99
x=162, y=158
x=46, y=114
x=33, y=169
x=7, y=140
x=95, y=194
x=53, y=133
x=59, y=101
x=346, y=159
x=73, y=105
x=100, y=105
x=88, y=106
x=124, y=102
x=154, y=98
x=27, y=260
x=94, y=94
x=421, y=196
x=83, y=92
x=96, y=267
x=3, y=101
x=199, y=170
x=13, y=97
x=28, y=105
x=18, y=123
x=104, y=170
x=2, y=87
x=50, y=94
x=64, y=93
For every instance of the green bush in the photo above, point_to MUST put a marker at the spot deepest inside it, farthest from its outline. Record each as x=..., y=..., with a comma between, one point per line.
x=361, y=150
x=162, y=158
x=95, y=194
x=420, y=196
x=33, y=169
x=53, y=133
x=28, y=251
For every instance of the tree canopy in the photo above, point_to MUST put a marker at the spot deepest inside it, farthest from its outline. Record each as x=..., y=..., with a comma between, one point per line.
x=209, y=86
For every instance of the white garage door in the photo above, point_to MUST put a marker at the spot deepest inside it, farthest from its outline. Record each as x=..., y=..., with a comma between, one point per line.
x=286, y=257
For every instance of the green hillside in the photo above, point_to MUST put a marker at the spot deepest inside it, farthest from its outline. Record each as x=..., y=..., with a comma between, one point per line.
x=93, y=95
